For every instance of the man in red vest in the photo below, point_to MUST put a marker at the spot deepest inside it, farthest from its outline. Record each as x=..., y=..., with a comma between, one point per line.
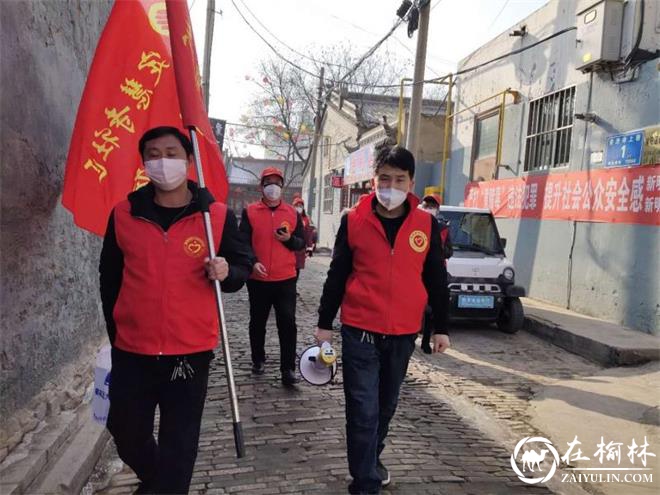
x=161, y=313
x=308, y=234
x=431, y=204
x=387, y=263
x=274, y=229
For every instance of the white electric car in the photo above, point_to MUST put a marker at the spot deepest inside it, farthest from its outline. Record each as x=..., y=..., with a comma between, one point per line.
x=481, y=278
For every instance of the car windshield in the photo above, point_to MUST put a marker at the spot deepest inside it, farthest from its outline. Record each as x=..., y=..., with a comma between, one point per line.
x=472, y=231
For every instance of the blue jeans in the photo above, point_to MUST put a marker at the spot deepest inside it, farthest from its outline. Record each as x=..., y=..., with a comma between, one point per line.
x=374, y=366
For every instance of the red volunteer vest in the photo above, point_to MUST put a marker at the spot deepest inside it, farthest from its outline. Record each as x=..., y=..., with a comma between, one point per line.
x=385, y=292
x=166, y=304
x=279, y=261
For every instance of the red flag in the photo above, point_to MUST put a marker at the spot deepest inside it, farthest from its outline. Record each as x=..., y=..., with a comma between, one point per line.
x=131, y=87
x=186, y=68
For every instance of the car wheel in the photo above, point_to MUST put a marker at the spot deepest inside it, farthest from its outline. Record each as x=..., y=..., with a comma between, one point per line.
x=511, y=316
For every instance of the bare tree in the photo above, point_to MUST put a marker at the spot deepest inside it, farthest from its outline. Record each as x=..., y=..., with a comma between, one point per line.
x=282, y=112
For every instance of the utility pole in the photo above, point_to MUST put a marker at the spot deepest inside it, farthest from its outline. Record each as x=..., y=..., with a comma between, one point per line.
x=208, y=42
x=315, y=145
x=412, y=135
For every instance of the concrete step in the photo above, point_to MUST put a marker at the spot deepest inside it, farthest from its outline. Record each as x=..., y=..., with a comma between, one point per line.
x=57, y=457
x=38, y=449
x=75, y=463
x=598, y=340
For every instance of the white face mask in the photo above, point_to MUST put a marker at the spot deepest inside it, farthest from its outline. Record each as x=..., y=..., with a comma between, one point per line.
x=391, y=197
x=432, y=211
x=300, y=209
x=273, y=192
x=166, y=173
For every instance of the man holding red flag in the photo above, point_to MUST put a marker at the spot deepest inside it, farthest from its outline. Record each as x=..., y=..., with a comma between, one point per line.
x=132, y=87
x=157, y=296
x=160, y=311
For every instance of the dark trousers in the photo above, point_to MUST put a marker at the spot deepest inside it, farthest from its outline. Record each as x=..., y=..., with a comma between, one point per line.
x=137, y=385
x=281, y=296
x=374, y=367
x=427, y=329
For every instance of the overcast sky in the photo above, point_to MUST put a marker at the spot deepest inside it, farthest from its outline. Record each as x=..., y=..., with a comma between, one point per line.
x=457, y=27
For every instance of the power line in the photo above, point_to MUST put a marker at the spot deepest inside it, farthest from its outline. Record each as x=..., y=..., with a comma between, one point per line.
x=406, y=47
x=498, y=14
x=305, y=71
x=470, y=69
x=413, y=53
x=369, y=53
x=285, y=44
x=515, y=52
x=381, y=41
x=436, y=4
x=293, y=64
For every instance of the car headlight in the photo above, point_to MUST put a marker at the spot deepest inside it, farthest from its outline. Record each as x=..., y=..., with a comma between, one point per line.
x=508, y=273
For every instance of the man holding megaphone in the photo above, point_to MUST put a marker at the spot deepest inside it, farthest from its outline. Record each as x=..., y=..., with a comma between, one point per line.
x=387, y=263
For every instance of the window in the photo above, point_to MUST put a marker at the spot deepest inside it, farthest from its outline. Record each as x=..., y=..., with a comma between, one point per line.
x=487, y=131
x=484, y=151
x=549, y=130
x=472, y=231
x=328, y=194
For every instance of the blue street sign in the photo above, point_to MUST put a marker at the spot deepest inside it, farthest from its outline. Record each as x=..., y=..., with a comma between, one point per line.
x=624, y=150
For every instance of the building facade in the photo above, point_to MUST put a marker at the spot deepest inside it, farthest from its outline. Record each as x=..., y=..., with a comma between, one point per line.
x=353, y=125
x=561, y=141
x=243, y=174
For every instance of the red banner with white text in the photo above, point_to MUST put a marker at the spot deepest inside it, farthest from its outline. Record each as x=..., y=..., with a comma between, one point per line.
x=618, y=195
x=131, y=87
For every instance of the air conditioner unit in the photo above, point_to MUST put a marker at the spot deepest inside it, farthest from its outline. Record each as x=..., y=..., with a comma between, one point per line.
x=599, y=34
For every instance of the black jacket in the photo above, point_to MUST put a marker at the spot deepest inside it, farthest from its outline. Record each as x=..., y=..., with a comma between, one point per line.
x=238, y=254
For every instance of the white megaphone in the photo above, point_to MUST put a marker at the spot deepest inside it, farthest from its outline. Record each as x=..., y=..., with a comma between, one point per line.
x=318, y=365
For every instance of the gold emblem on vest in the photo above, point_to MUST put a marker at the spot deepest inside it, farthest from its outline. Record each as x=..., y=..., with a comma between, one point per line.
x=194, y=247
x=418, y=241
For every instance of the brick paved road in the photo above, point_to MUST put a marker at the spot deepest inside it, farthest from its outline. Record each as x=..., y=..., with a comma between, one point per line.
x=295, y=439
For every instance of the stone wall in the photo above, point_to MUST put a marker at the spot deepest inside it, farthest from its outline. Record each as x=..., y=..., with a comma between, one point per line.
x=51, y=316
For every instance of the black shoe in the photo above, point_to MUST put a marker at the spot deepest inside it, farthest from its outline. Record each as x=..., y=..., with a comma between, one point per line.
x=289, y=378
x=258, y=368
x=383, y=473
